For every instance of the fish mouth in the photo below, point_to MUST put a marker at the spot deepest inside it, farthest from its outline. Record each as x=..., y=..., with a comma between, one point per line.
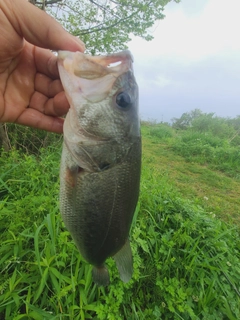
x=93, y=67
x=89, y=79
x=91, y=76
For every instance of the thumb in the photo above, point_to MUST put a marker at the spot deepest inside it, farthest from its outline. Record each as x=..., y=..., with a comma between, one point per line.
x=38, y=28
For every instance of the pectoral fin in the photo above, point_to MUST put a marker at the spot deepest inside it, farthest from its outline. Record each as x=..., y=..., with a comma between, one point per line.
x=124, y=262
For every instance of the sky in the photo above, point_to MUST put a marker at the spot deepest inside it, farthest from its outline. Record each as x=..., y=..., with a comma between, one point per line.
x=193, y=61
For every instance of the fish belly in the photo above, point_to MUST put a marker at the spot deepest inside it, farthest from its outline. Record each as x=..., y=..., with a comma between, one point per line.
x=97, y=207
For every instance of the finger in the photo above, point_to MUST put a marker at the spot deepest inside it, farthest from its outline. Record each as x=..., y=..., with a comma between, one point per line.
x=35, y=119
x=47, y=86
x=39, y=28
x=46, y=62
x=57, y=106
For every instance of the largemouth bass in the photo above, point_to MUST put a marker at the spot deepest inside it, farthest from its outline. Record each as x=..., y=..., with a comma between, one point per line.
x=101, y=158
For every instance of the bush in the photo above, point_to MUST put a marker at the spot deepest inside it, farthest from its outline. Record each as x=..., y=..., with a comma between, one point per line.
x=208, y=149
x=160, y=131
x=217, y=126
x=28, y=140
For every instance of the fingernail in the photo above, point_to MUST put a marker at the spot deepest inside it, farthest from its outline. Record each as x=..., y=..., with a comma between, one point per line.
x=79, y=42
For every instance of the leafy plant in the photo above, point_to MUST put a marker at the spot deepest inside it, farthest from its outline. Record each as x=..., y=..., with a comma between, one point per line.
x=186, y=262
x=107, y=26
x=208, y=149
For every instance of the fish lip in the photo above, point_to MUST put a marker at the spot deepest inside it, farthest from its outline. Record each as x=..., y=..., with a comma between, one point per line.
x=62, y=54
x=124, y=57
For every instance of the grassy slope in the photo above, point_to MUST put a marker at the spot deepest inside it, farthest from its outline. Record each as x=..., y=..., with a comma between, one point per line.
x=213, y=190
x=186, y=264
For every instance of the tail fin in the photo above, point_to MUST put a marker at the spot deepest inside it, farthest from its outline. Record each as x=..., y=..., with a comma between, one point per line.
x=101, y=276
x=124, y=262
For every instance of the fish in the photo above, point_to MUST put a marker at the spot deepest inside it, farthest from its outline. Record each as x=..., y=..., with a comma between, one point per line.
x=101, y=158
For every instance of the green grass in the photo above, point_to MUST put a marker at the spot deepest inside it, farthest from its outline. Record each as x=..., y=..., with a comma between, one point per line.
x=210, y=150
x=215, y=190
x=186, y=250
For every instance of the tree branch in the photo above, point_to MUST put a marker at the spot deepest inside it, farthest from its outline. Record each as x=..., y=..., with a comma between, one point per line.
x=103, y=8
x=100, y=28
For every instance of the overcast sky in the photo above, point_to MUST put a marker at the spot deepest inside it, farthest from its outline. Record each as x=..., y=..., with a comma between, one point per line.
x=193, y=61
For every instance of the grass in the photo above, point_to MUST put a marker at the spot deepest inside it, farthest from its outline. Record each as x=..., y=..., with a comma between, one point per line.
x=184, y=237
x=214, y=190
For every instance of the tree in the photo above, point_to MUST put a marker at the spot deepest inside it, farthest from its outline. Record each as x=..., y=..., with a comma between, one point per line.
x=186, y=119
x=106, y=25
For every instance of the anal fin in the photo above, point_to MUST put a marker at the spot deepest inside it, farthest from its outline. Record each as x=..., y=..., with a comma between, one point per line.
x=124, y=262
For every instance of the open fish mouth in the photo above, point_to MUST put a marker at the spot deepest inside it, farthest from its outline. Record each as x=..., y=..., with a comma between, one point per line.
x=94, y=75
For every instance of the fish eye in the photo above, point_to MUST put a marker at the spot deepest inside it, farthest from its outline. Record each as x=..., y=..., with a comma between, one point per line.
x=123, y=100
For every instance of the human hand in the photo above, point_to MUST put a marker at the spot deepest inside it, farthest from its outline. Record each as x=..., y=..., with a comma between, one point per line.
x=30, y=89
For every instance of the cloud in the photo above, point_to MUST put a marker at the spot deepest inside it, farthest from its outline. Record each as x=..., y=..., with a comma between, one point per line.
x=161, y=81
x=205, y=85
x=193, y=62
x=183, y=36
